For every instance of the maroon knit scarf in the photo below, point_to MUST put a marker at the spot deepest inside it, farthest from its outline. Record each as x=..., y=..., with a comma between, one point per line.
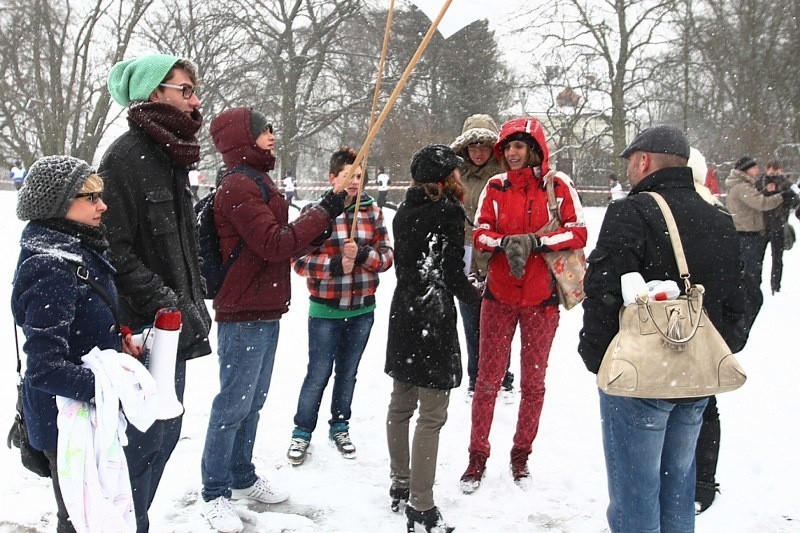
x=172, y=129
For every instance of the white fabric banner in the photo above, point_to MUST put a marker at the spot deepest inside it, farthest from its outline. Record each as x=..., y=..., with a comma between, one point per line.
x=460, y=14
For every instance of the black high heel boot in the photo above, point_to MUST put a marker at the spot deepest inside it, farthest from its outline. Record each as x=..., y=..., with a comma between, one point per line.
x=431, y=519
x=398, y=495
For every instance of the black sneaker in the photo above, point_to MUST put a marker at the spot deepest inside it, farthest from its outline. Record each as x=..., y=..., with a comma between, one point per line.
x=297, y=451
x=341, y=439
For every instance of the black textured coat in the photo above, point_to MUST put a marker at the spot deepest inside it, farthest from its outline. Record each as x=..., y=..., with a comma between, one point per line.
x=151, y=229
x=422, y=346
x=634, y=238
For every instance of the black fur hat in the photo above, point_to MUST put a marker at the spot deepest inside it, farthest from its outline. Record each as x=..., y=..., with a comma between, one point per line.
x=433, y=163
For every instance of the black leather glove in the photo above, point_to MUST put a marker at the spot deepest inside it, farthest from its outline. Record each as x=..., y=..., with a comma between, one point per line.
x=333, y=203
x=518, y=249
x=788, y=196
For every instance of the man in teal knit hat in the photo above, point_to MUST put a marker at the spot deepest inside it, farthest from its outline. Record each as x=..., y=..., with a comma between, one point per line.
x=152, y=235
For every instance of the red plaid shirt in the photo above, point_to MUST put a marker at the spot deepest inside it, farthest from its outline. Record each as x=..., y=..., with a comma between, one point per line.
x=322, y=268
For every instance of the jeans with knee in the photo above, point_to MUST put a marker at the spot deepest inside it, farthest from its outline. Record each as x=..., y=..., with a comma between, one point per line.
x=147, y=454
x=246, y=353
x=415, y=467
x=332, y=343
x=650, y=463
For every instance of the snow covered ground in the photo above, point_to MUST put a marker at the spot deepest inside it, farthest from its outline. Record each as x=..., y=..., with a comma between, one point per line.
x=758, y=464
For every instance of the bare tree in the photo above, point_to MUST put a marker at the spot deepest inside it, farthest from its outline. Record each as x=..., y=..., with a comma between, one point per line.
x=53, y=98
x=615, y=41
x=455, y=78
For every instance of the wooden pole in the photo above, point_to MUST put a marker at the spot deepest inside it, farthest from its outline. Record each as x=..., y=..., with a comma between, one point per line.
x=378, y=83
x=400, y=84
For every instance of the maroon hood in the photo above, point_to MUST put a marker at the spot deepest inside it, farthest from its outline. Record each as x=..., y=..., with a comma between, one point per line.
x=230, y=131
x=529, y=126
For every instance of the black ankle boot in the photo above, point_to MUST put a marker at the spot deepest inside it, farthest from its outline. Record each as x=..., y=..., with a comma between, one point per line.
x=704, y=493
x=431, y=519
x=398, y=495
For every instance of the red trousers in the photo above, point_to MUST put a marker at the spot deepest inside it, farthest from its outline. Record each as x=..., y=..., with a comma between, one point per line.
x=498, y=323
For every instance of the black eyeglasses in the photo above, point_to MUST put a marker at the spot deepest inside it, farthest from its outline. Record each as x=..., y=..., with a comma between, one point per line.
x=186, y=90
x=92, y=197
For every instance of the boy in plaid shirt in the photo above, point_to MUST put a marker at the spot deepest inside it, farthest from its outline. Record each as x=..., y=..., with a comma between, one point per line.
x=342, y=276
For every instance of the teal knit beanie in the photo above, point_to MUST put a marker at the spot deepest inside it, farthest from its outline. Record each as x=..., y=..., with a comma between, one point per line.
x=136, y=79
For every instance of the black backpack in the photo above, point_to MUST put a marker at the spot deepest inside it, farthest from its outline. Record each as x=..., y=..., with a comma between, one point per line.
x=212, y=266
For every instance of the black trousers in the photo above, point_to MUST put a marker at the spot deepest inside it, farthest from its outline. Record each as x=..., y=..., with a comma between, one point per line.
x=707, y=451
x=64, y=524
x=776, y=245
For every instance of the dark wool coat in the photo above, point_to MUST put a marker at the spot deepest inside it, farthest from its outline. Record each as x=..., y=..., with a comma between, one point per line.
x=62, y=318
x=257, y=286
x=634, y=238
x=429, y=259
x=152, y=231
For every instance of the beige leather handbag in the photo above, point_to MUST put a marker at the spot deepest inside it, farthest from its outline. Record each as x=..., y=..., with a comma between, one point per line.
x=669, y=349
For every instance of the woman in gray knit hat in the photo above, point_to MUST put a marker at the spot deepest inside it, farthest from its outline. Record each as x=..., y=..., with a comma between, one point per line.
x=61, y=315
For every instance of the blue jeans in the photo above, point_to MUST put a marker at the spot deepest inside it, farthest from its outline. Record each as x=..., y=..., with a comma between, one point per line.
x=332, y=341
x=246, y=356
x=147, y=454
x=650, y=462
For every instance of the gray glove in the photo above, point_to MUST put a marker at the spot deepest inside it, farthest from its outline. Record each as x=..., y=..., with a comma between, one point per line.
x=518, y=249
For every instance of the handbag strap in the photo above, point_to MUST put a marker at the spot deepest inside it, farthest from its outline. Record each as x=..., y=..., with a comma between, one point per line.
x=16, y=345
x=552, y=203
x=83, y=274
x=674, y=237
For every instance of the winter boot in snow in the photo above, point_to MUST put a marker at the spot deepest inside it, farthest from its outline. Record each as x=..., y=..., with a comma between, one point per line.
x=704, y=493
x=471, y=479
x=431, y=519
x=399, y=495
x=519, y=468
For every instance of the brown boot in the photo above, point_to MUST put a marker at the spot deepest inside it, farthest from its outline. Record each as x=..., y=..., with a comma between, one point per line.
x=471, y=479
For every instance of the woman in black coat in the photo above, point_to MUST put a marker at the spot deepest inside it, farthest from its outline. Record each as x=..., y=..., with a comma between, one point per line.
x=423, y=354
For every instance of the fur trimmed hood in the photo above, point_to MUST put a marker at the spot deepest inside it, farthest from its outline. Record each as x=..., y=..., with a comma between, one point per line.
x=480, y=129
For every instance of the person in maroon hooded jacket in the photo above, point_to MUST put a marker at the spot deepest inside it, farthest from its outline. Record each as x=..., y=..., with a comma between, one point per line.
x=256, y=291
x=519, y=288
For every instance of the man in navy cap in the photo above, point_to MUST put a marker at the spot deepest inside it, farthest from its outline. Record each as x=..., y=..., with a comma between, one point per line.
x=650, y=444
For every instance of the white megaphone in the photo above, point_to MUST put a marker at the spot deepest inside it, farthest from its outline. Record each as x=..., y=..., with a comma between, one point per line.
x=160, y=350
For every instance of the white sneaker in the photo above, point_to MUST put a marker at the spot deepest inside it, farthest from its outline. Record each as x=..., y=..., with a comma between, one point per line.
x=261, y=491
x=469, y=395
x=507, y=395
x=222, y=517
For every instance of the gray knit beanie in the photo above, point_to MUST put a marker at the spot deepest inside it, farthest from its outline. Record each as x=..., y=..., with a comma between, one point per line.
x=51, y=185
